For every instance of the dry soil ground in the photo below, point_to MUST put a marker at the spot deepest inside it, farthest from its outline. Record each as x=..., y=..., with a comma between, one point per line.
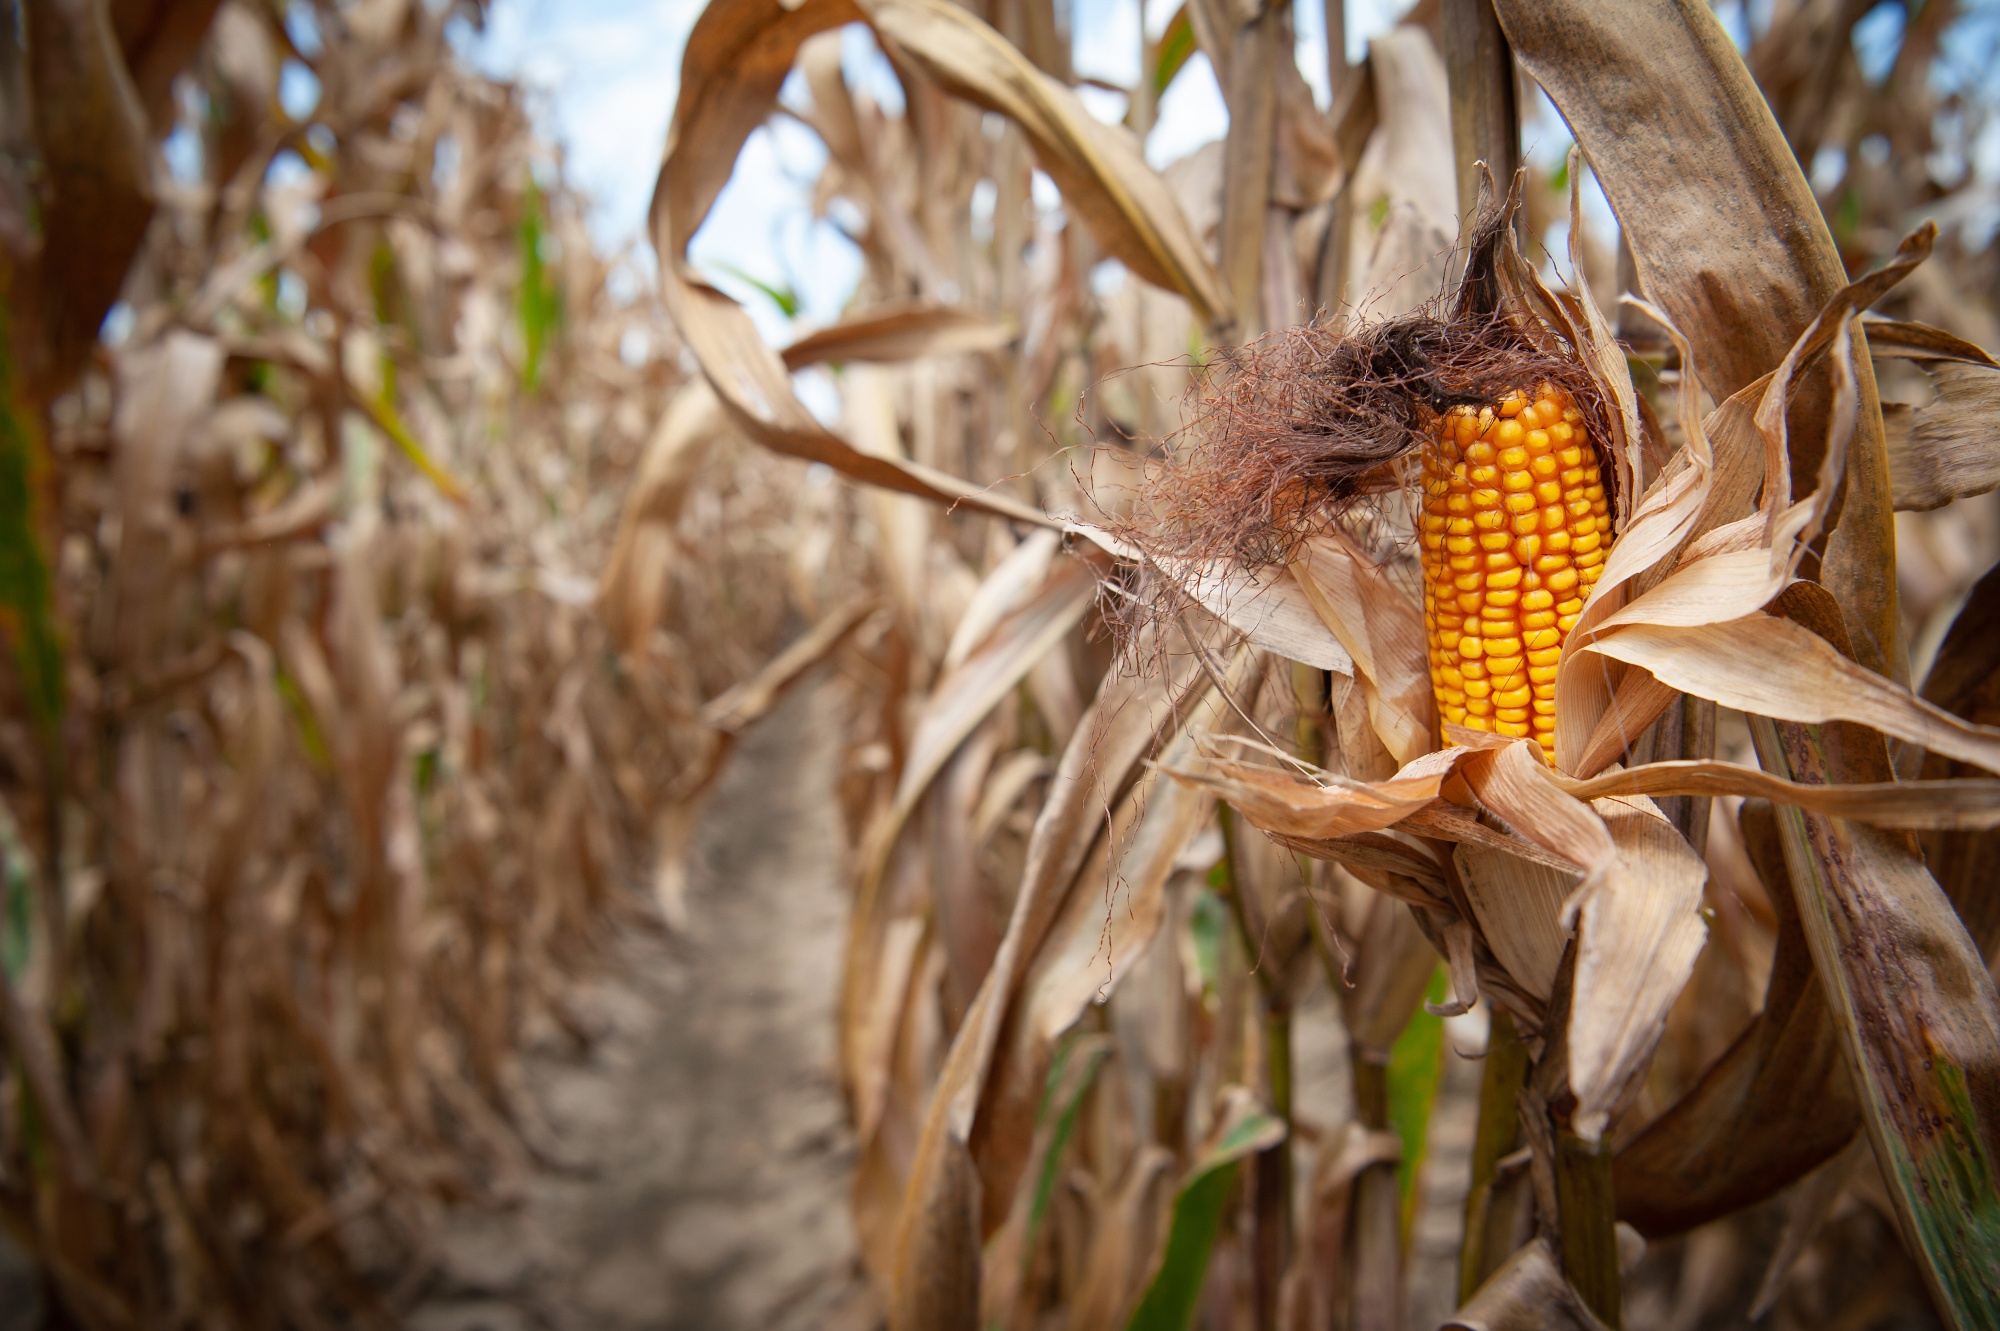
x=707, y=1117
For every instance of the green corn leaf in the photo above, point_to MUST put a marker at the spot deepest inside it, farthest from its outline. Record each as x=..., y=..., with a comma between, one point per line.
x=786, y=299
x=27, y=614
x=1169, y=1301
x=1070, y=1075
x=540, y=298
x=1176, y=46
x=1416, y=1065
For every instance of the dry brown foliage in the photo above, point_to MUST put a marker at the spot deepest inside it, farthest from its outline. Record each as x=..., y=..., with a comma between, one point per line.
x=399, y=612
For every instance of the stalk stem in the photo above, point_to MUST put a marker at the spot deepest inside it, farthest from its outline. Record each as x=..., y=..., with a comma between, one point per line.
x=1273, y=1177
x=1498, y=1134
x=1485, y=119
x=1588, y=1215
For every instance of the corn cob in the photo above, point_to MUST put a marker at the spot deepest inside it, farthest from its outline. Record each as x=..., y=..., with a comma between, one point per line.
x=1515, y=529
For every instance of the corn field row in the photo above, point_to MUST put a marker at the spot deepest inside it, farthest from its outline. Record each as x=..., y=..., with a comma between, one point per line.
x=1289, y=618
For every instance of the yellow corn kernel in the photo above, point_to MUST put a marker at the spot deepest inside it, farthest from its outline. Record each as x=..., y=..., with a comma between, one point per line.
x=1513, y=532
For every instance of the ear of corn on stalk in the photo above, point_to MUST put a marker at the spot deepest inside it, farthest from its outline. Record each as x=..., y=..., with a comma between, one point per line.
x=1514, y=532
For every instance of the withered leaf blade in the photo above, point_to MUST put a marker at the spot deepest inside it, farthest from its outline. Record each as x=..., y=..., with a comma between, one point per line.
x=1920, y=1020
x=1722, y=224
x=1125, y=721
x=1527, y=1293
x=1944, y=450
x=737, y=57
x=1099, y=168
x=900, y=332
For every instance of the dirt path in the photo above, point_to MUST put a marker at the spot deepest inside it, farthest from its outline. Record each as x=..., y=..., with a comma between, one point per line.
x=708, y=1115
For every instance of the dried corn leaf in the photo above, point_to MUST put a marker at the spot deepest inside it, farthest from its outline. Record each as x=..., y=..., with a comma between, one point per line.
x=1920, y=1019
x=939, y=1228
x=1267, y=606
x=1069, y=1074
x=1404, y=190
x=1724, y=229
x=633, y=586
x=1109, y=919
x=1944, y=450
x=1330, y=807
x=1943, y=805
x=743, y=705
x=957, y=706
x=1527, y=1293
x=900, y=332
x=737, y=57
x=1773, y=667
x=1122, y=1245
x=1010, y=585
x=1099, y=168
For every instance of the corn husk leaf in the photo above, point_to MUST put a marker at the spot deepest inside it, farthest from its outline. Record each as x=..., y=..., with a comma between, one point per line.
x=1772, y=667
x=1695, y=564
x=1637, y=938
x=1381, y=627
x=1519, y=905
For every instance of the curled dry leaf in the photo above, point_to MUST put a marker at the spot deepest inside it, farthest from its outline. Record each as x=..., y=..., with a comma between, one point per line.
x=1771, y=667
x=1937, y=452
x=737, y=57
x=1527, y=1293
x=900, y=332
